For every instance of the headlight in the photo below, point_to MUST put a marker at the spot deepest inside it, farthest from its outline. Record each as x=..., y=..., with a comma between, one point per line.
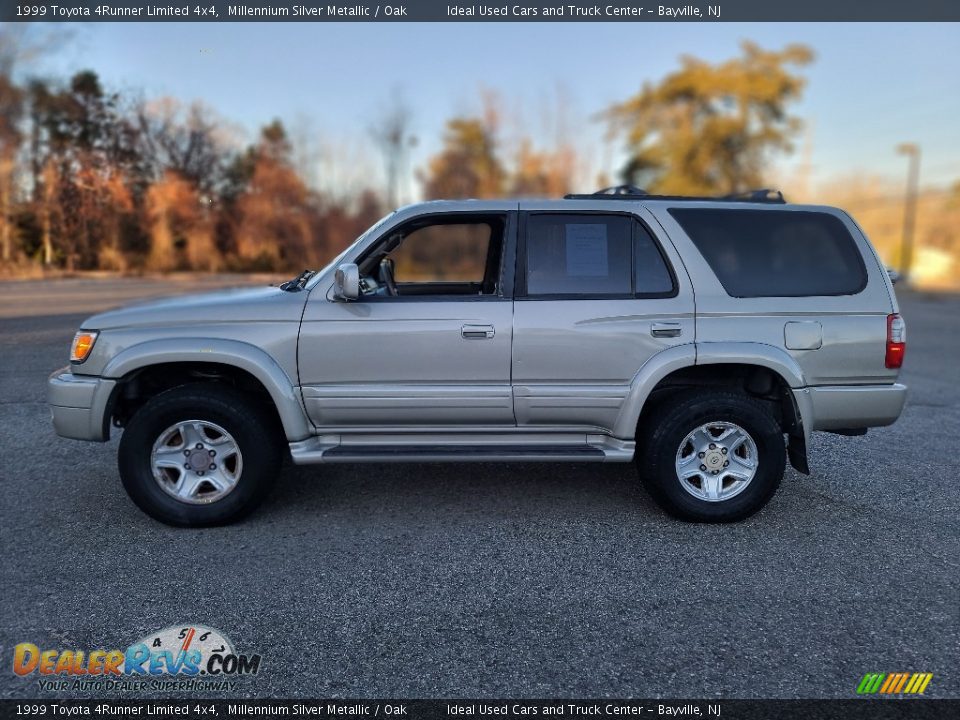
x=82, y=345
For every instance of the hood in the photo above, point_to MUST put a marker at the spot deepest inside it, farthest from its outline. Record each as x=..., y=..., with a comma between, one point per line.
x=221, y=306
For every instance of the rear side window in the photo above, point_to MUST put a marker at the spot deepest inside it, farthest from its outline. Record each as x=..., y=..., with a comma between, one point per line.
x=776, y=253
x=651, y=276
x=593, y=256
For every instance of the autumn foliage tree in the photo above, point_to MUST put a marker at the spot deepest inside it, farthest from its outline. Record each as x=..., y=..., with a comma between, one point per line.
x=87, y=149
x=10, y=109
x=543, y=173
x=180, y=226
x=468, y=166
x=273, y=228
x=710, y=128
x=109, y=184
x=95, y=179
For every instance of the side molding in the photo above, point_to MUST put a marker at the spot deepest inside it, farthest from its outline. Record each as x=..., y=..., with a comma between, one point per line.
x=226, y=352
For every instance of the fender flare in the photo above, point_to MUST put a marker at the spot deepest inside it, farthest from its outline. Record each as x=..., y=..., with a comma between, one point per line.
x=772, y=358
x=655, y=369
x=677, y=357
x=752, y=353
x=235, y=353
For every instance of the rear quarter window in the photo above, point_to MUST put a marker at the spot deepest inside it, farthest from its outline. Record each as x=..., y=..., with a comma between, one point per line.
x=776, y=253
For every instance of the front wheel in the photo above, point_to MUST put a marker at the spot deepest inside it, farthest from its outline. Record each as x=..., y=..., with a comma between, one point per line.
x=712, y=456
x=199, y=454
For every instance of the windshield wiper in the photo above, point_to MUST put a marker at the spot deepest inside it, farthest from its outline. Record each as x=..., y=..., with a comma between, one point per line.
x=299, y=282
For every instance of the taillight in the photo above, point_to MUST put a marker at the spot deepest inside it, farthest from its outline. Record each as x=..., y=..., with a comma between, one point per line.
x=896, y=340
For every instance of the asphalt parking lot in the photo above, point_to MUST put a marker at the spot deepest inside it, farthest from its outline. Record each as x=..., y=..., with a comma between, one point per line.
x=489, y=580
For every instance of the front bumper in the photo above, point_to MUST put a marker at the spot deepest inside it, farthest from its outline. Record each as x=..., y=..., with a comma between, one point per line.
x=78, y=404
x=850, y=407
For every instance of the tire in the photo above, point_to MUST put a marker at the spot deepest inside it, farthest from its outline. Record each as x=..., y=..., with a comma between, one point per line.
x=220, y=449
x=713, y=423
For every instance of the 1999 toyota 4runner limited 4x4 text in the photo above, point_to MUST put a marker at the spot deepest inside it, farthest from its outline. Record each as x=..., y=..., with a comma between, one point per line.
x=704, y=339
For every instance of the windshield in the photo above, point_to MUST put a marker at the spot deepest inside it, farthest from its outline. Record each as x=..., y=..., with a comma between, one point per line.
x=369, y=231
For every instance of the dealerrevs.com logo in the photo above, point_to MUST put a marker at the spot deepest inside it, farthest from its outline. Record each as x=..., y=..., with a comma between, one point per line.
x=180, y=657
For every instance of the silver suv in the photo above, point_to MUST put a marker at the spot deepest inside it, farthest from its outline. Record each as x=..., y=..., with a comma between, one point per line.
x=704, y=339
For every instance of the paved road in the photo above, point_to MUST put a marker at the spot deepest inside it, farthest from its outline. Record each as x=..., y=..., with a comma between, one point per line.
x=483, y=580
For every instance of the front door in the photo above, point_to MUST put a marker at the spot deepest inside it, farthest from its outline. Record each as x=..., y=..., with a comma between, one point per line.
x=596, y=297
x=428, y=343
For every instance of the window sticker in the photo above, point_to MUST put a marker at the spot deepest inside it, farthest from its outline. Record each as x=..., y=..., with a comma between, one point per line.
x=587, y=250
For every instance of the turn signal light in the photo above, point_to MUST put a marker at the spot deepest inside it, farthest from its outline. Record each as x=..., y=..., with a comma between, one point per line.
x=82, y=345
x=896, y=341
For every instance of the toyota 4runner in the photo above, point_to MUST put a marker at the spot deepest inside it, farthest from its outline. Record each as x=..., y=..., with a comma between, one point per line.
x=703, y=339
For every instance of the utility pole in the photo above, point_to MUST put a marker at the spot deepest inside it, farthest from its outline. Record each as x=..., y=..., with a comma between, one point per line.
x=912, y=151
x=804, y=170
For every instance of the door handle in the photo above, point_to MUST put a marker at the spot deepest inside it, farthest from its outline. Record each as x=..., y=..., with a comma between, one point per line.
x=665, y=329
x=477, y=332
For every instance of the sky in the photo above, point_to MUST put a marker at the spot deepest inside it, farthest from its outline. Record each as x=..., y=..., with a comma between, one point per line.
x=871, y=86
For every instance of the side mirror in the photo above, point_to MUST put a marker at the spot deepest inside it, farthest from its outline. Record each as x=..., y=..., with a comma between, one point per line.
x=347, y=282
x=894, y=275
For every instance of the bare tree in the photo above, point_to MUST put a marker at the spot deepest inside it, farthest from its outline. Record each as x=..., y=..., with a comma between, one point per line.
x=394, y=137
x=305, y=149
x=187, y=140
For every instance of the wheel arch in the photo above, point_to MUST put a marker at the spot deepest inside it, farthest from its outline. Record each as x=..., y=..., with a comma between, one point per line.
x=170, y=362
x=758, y=369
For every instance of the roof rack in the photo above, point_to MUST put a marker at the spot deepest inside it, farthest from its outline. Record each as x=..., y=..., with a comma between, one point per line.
x=632, y=192
x=622, y=190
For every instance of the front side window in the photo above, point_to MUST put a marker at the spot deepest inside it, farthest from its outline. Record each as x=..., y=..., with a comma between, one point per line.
x=437, y=255
x=443, y=253
x=593, y=256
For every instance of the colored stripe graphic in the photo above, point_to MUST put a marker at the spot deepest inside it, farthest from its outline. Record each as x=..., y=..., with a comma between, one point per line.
x=870, y=683
x=901, y=681
x=889, y=683
x=894, y=683
x=918, y=683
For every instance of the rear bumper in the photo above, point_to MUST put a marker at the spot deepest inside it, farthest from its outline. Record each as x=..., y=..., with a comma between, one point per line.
x=78, y=405
x=845, y=407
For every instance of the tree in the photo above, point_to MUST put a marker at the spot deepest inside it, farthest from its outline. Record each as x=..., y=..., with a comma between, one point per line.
x=708, y=129
x=468, y=165
x=15, y=46
x=93, y=147
x=180, y=226
x=393, y=136
x=543, y=173
x=272, y=230
x=183, y=139
x=11, y=107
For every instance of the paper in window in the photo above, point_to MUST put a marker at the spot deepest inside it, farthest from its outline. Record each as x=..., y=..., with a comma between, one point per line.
x=587, y=250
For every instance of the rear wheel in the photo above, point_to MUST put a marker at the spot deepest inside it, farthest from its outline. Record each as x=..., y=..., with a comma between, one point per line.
x=199, y=454
x=712, y=456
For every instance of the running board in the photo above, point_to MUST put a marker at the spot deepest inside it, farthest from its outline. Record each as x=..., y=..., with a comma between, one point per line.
x=328, y=449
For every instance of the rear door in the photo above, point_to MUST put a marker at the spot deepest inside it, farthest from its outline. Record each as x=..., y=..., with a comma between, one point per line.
x=597, y=295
